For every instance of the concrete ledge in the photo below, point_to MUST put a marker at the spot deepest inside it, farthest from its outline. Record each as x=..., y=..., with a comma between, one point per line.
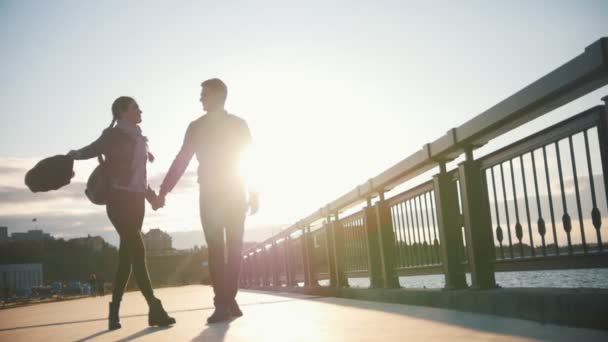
x=586, y=308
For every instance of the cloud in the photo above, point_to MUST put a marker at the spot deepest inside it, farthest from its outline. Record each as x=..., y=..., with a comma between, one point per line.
x=22, y=194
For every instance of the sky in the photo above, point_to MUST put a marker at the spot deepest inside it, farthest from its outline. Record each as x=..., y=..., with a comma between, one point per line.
x=334, y=92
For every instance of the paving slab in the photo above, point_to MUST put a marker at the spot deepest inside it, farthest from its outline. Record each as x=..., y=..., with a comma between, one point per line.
x=272, y=317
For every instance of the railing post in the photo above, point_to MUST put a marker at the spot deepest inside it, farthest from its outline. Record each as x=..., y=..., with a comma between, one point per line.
x=249, y=271
x=305, y=260
x=387, y=243
x=311, y=269
x=329, y=249
x=266, y=266
x=477, y=223
x=337, y=232
x=276, y=268
x=254, y=269
x=374, y=258
x=449, y=224
x=602, y=133
x=244, y=272
x=289, y=266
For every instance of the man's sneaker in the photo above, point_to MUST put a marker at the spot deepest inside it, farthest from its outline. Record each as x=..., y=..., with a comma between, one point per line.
x=234, y=309
x=220, y=314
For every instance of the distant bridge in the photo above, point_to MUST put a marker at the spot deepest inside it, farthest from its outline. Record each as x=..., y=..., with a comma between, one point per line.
x=535, y=204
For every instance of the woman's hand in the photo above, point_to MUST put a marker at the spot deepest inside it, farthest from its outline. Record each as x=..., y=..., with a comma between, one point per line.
x=154, y=199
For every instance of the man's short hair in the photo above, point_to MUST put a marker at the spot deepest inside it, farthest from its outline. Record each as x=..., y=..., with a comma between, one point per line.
x=217, y=86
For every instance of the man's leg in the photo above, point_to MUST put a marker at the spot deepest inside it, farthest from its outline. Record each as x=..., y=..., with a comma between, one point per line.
x=234, y=242
x=214, y=234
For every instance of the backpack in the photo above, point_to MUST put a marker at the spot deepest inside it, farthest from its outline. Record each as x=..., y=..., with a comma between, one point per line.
x=98, y=184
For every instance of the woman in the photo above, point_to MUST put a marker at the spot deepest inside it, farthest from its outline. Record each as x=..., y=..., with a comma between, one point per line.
x=126, y=153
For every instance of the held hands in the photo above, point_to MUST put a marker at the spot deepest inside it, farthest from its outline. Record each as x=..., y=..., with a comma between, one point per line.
x=156, y=201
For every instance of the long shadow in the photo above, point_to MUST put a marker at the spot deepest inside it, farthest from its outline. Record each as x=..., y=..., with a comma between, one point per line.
x=213, y=332
x=143, y=332
x=129, y=316
x=103, y=332
x=471, y=320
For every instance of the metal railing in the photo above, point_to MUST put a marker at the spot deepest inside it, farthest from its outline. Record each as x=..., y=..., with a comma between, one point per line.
x=537, y=203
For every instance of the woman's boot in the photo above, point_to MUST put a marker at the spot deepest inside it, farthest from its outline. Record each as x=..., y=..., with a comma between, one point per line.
x=158, y=316
x=113, y=320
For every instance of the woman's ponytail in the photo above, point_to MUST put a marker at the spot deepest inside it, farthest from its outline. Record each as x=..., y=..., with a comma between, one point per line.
x=112, y=123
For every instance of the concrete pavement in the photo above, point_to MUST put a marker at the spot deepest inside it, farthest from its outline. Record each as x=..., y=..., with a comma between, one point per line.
x=272, y=317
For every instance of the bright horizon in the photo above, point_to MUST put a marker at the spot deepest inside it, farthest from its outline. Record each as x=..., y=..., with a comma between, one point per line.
x=333, y=94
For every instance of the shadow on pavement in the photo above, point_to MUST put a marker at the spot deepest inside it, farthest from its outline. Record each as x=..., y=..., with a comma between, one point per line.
x=471, y=320
x=213, y=332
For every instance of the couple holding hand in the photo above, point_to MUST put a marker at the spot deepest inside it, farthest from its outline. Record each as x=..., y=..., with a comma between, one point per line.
x=218, y=139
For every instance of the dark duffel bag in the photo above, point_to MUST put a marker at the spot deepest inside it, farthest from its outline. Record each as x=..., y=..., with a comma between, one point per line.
x=50, y=174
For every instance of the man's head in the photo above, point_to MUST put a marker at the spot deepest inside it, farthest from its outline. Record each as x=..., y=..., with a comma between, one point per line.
x=213, y=94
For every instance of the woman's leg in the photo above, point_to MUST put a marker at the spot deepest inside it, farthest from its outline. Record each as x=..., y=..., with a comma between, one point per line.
x=137, y=254
x=126, y=211
x=123, y=272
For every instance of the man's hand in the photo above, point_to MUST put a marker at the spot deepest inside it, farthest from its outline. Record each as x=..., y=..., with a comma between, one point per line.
x=254, y=203
x=155, y=201
x=160, y=201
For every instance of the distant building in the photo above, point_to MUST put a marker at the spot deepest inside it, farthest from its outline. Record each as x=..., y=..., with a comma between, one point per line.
x=17, y=278
x=95, y=243
x=31, y=235
x=3, y=234
x=157, y=240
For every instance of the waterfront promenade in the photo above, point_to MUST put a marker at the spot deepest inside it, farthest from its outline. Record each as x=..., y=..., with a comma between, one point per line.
x=272, y=317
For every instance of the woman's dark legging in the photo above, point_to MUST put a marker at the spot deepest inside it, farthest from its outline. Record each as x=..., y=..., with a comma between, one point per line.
x=126, y=212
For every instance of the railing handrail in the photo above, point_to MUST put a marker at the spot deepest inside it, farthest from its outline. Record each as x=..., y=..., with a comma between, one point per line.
x=578, y=77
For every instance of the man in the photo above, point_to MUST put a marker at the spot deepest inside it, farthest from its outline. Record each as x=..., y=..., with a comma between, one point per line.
x=218, y=139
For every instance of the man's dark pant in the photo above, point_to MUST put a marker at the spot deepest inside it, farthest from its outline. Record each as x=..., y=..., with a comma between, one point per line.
x=221, y=214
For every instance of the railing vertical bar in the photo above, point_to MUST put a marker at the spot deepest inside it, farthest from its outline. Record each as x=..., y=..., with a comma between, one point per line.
x=551, y=210
x=350, y=243
x=413, y=231
x=504, y=196
x=405, y=257
x=420, y=244
x=397, y=226
x=540, y=223
x=420, y=225
x=435, y=226
x=365, y=259
x=358, y=251
x=578, y=196
x=428, y=229
x=527, y=204
x=498, y=228
x=427, y=199
x=399, y=223
x=566, y=217
x=518, y=230
x=595, y=213
x=408, y=240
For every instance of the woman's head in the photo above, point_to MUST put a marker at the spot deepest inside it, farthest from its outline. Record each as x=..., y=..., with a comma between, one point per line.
x=126, y=108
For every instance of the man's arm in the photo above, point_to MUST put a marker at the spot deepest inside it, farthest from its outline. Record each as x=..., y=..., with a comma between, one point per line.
x=254, y=202
x=178, y=167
